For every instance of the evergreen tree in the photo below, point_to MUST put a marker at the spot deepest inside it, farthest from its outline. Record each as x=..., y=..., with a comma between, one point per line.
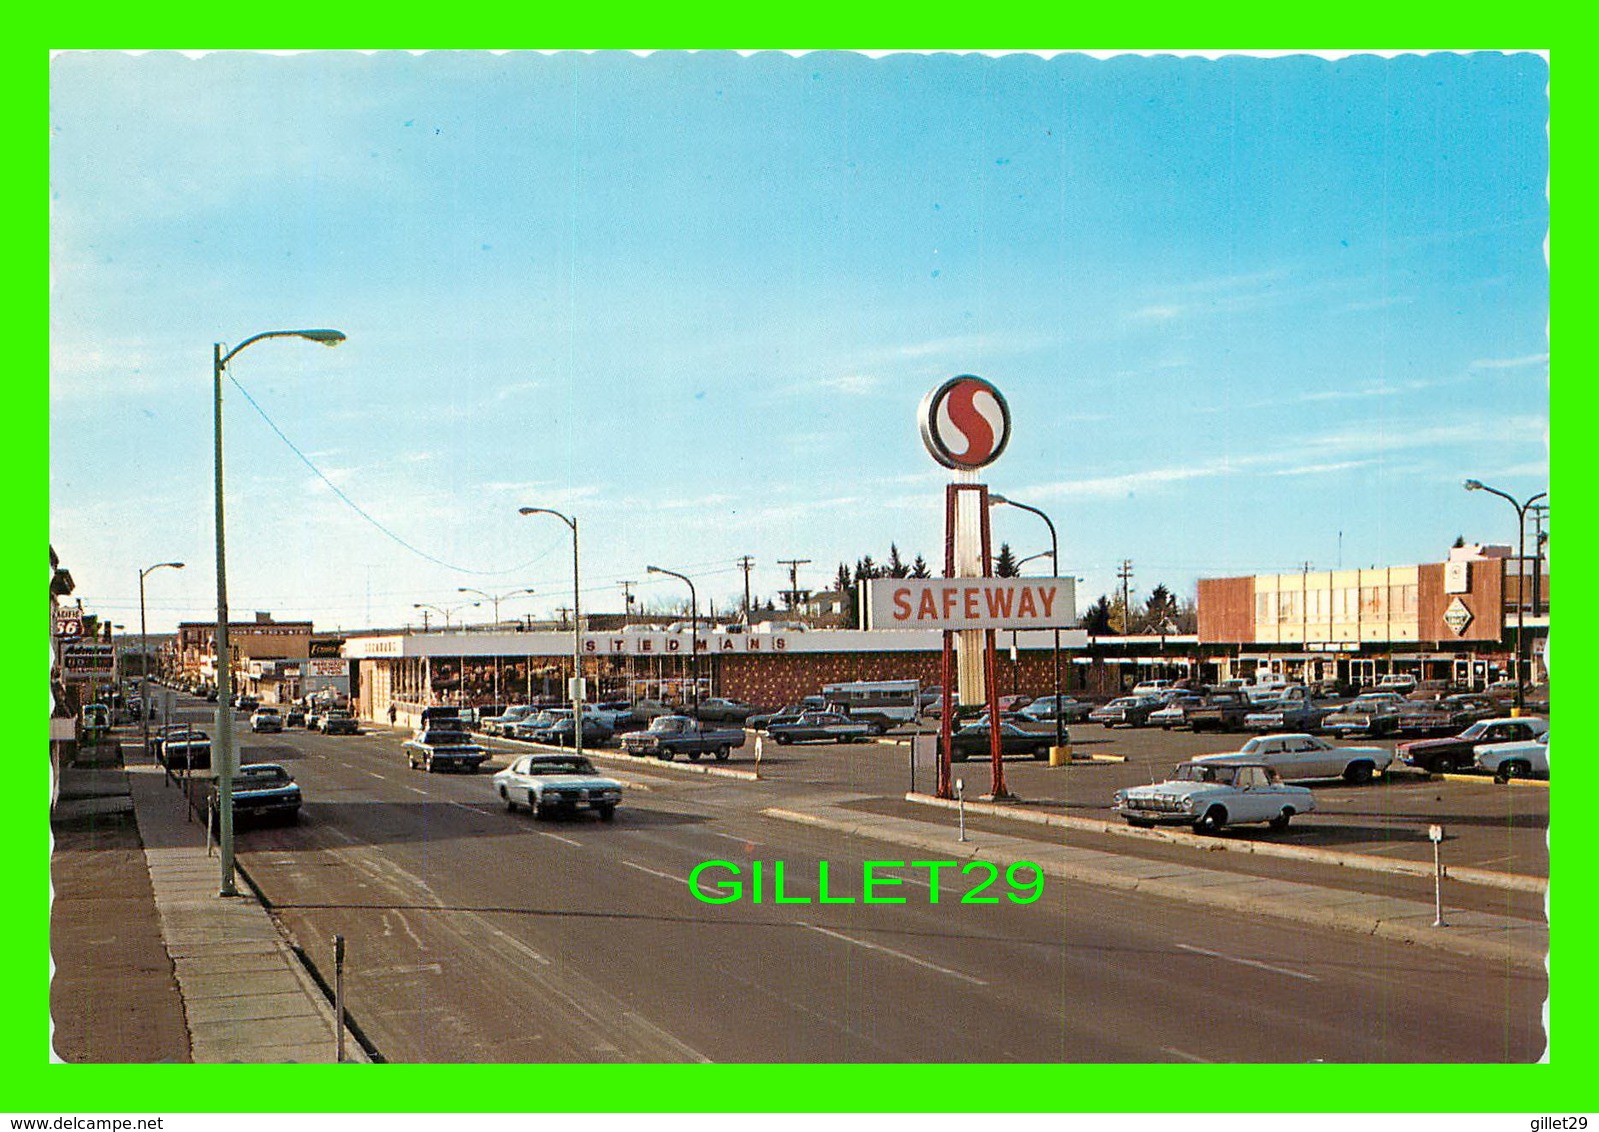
x=919, y=568
x=1160, y=608
x=1005, y=562
x=896, y=565
x=1460, y=541
x=1096, y=618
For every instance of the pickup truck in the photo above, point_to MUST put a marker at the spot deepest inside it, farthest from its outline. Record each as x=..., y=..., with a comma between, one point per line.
x=1221, y=711
x=672, y=735
x=443, y=750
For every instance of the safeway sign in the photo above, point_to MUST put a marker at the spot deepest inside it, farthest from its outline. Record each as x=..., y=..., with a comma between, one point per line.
x=970, y=603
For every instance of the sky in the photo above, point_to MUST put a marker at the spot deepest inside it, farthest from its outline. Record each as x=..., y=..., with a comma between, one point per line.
x=1247, y=313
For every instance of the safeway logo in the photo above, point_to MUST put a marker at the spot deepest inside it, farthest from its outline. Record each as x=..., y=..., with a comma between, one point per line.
x=965, y=422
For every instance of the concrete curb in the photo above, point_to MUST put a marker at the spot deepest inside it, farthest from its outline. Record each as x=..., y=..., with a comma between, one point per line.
x=1488, y=878
x=1479, y=935
x=1541, y=783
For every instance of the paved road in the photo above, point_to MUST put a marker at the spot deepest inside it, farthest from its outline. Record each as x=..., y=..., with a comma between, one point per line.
x=477, y=935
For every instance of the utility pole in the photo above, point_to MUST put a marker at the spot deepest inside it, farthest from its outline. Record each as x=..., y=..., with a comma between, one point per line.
x=563, y=610
x=627, y=600
x=745, y=563
x=793, y=565
x=1126, y=575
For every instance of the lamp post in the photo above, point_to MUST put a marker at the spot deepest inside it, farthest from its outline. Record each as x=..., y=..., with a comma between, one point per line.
x=446, y=611
x=693, y=627
x=577, y=633
x=144, y=657
x=496, y=599
x=1521, y=566
x=224, y=744
x=460, y=675
x=995, y=500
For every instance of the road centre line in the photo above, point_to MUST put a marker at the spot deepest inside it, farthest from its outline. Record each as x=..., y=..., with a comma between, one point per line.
x=735, y=837
x=375, y=774
x=721, y=896
x=416, y=790
x=467, y=808
x=896, y=954
x=558, y=837
x=1249, y=963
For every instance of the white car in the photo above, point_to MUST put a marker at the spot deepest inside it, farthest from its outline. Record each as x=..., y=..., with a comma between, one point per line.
x=266, y=719
x=550, y=784
x=1299, y=756
x=1528, y=758
x=1210, y=795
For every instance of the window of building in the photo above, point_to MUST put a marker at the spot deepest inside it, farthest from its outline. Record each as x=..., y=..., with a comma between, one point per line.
x=1373, y=603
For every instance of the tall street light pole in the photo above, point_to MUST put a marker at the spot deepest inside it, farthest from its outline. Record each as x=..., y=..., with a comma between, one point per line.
x=693, y=627
x=496, y=599
x=224, y=745
x=995, y=500
x=577, y=633
x=1521, y=567
x=144, y=656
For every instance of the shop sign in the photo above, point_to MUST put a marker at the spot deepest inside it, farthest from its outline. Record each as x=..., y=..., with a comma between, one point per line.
x=1457, y=616
x=965, y=423
x=83, y=659
x=68, y=623
x=321, y=667
x=1457, y=577
x=326, y=649
x=970, y=603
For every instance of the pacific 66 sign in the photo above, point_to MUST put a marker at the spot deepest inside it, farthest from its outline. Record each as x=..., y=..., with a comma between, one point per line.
x=965, y=423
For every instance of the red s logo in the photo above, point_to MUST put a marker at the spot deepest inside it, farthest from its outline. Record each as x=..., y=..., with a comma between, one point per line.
x=965, y=422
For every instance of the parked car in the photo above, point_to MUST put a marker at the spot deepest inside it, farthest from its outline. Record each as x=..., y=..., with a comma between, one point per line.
x=1211, y=796
x=1126, y=711
x=562, y=732
x=1014, y=702
x=443, y=750
x=266, y=719
x=1044, y=709
x=1397, y=682
x=671, y=735
x=718, y=709
x=822, y=727
x=1174, y=712
x=1444, y=756
x=313, y=718
x=1302, y=757
x=785, y=714
x=557, y=784
x=501, y=724
x=1294, y=714
x=294, y=717
x=1151, y=687
x=1224, y=709
x=1528, y=759
x=183, y=748
x=1370, y=714
x=260, y=791
x=972, y=741
x=340, y=723
x=616, y=714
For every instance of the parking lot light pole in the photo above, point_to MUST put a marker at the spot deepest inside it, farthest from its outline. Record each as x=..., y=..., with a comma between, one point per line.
x=577, y=632
x=994, y=500
x=144, y=657
x=1521, y=560
x=693, y=627
x=224, y=755
x=496, y=599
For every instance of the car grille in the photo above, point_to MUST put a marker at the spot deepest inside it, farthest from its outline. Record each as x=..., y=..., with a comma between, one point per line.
x=1160, y=804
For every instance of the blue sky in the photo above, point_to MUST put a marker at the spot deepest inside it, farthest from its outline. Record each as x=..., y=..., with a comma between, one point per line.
x=1237, y=308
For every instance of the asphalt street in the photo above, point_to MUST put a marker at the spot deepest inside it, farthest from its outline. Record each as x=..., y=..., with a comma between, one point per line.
x=477, y=935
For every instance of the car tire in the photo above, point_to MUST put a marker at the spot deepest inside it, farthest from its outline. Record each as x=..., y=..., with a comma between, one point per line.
x=1140, y=823
x=427, y=763
x=1512, y=768
x=1212, y=821
x=956, y=757
x=541, y=812
x=1359, y=773
x=1040, y=754
x=664, y=756
x=607, y=813
x=694, y=756
x=1441, y=765
x=1280, y=822
x=721, y=754
x=782, y=740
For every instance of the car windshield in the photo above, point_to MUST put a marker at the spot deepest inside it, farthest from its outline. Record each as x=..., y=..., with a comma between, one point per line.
x=444, y=738
x=1476, y=729
x=560, y=766
x=1201, y=772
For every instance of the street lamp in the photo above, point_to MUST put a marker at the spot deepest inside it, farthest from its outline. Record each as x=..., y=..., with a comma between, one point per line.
x=144, y=656
x=496, y=599
x=577, y=634
x=693, y=627
x=1521, y=566
x=460, y=678
x=224, y=678
x=224, y=745
x=445, y=610
x=995, y=500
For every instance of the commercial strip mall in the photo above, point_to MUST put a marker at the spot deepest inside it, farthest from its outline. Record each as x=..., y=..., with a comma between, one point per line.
x=1454, y=620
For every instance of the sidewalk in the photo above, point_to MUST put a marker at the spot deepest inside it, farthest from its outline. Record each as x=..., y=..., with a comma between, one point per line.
x=1479, y=934
x=245, y=997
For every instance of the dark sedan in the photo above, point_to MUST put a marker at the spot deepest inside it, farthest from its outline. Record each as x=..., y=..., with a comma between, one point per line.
x=972, y=741
x=822, y=727
x=1445, y=756
x=263, y=790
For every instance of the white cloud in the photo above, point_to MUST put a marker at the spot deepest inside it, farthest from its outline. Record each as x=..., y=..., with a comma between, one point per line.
x=1510, y=363
x=855, y=384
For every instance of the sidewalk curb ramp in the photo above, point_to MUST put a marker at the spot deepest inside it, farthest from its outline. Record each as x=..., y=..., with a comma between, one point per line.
x=1523, y=943
x=1488, y=878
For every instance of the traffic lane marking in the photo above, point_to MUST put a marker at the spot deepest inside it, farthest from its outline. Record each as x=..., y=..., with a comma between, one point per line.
x=1249, y=963
x=675, y=879
x=558, y=837
x=896, y=954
